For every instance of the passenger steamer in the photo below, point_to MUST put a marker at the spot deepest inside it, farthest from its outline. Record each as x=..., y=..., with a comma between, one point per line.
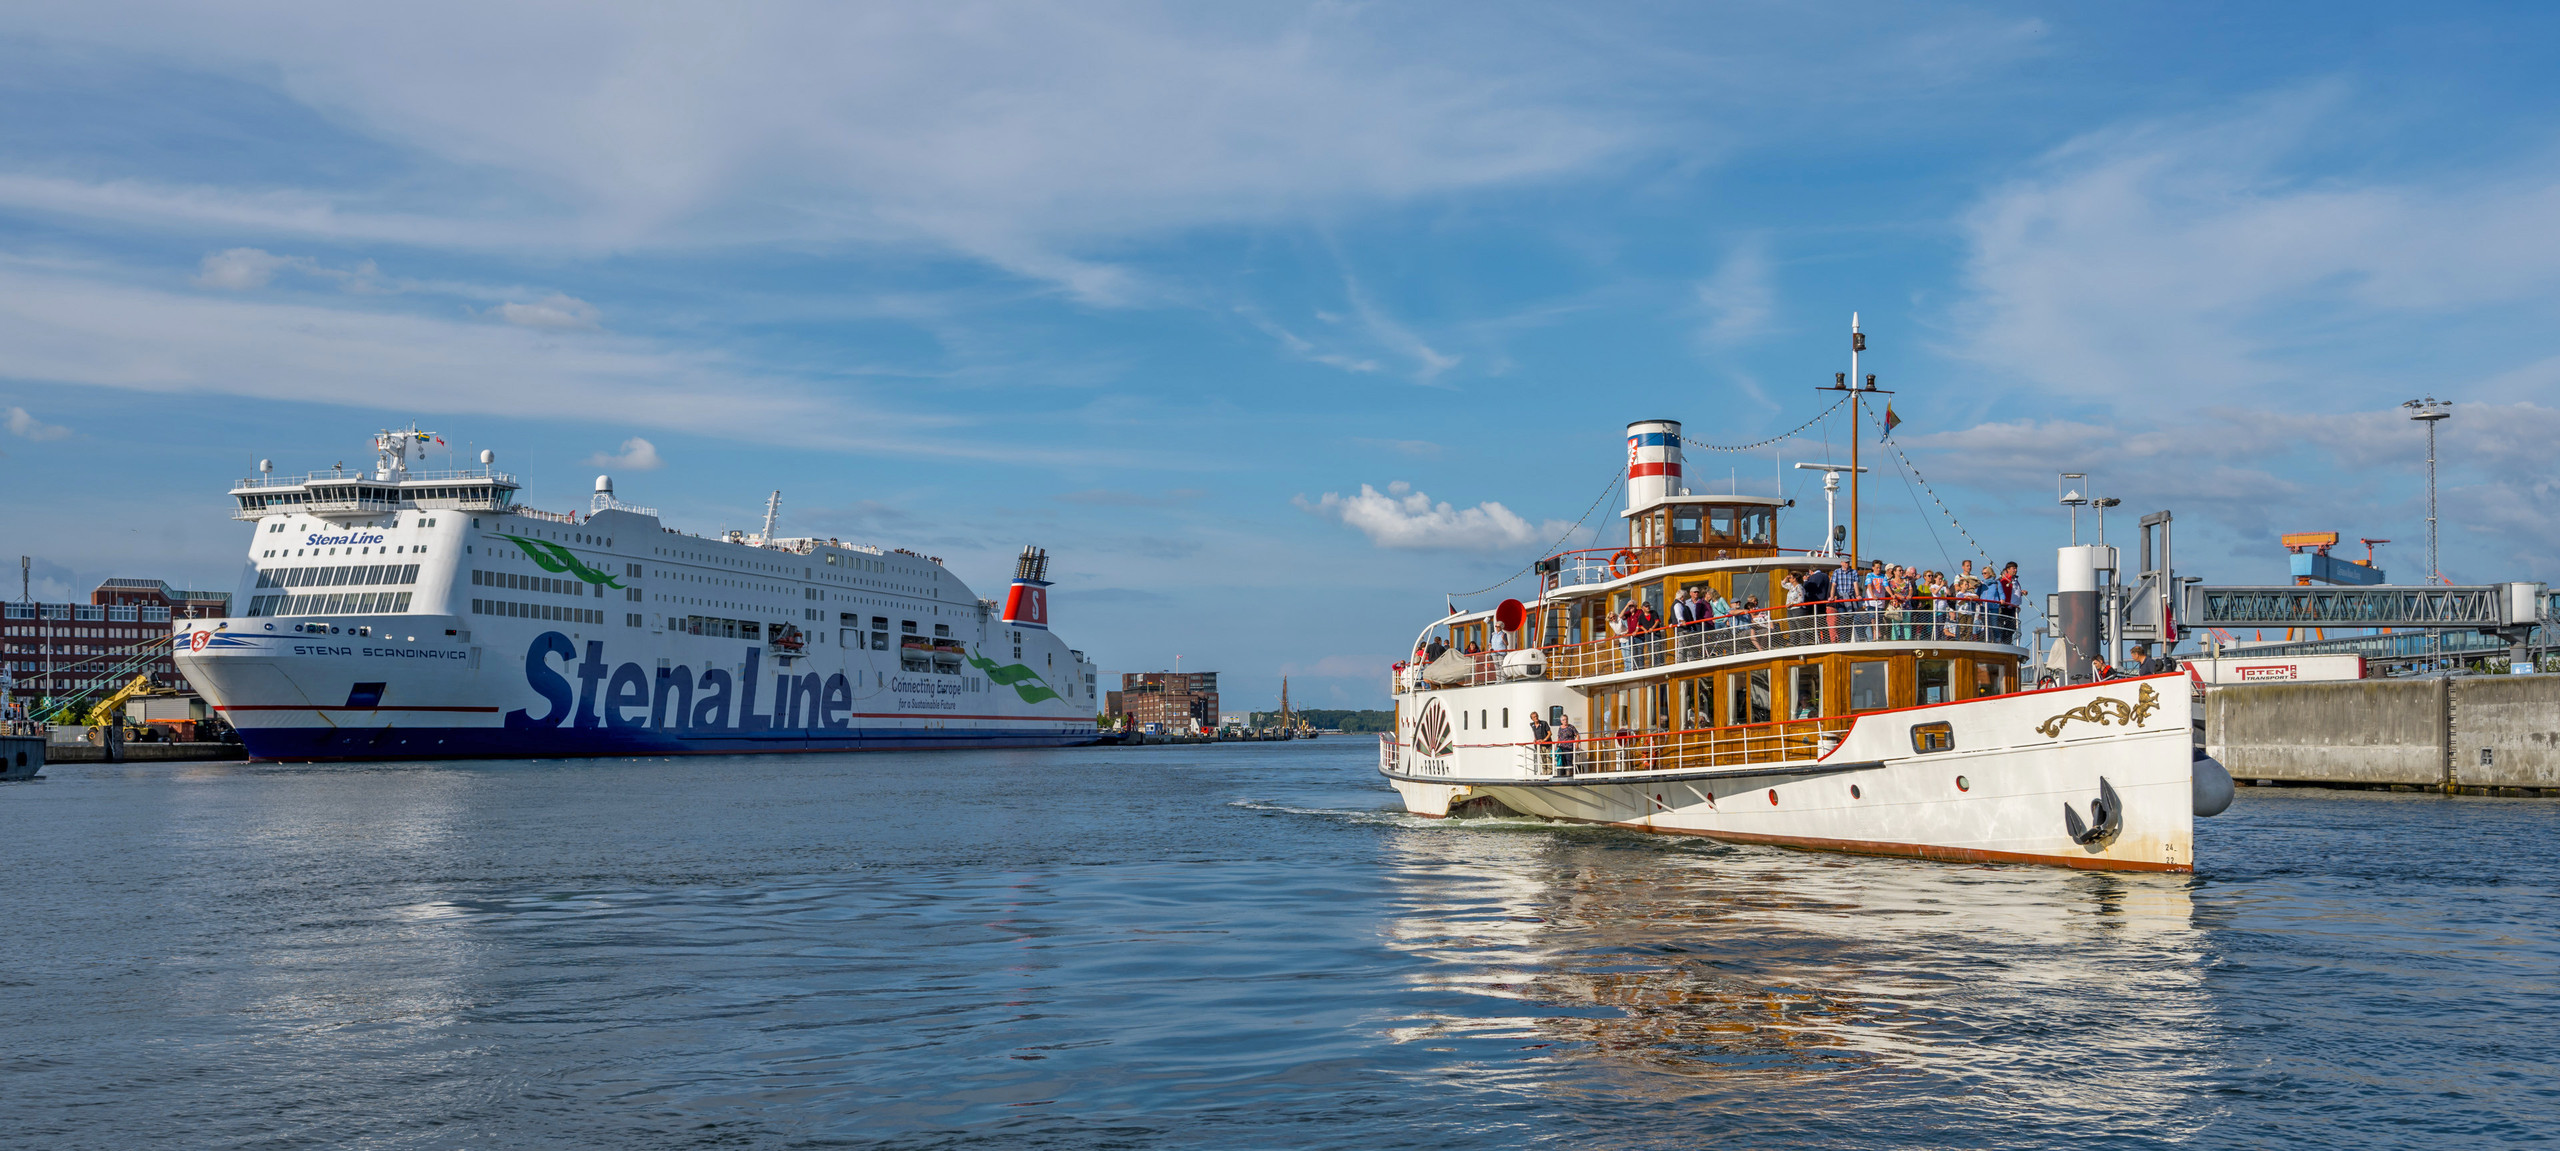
x=1848, y=730
x=402, y=613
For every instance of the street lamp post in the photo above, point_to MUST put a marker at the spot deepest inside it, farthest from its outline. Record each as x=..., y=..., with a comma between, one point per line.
x=2428, y=411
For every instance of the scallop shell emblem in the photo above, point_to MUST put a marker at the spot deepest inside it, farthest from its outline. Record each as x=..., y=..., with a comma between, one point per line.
x=1431, y=732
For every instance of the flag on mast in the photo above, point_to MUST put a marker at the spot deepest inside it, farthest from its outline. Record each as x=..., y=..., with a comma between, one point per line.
x=1891, y=421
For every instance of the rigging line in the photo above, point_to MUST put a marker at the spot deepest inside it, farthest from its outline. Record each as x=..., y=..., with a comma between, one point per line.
x=1786, y=435
x=1914, y=491
x=1896, y=449
x=1560, y=541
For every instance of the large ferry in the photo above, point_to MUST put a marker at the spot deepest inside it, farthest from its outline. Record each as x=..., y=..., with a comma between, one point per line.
x=395, y=612
x=1843, y=722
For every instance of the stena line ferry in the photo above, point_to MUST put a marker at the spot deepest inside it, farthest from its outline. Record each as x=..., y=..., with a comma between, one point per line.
x=397, y=612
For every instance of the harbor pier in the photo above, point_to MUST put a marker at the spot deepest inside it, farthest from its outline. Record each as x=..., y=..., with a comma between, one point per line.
x=2473, y=735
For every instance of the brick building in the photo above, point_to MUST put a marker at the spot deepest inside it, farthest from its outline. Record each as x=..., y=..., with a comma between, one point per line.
x=61, y=650
x=1175, y=700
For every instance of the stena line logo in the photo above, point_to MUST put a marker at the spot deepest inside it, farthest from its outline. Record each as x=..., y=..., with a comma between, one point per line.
x=593, y=693
x=316, y=540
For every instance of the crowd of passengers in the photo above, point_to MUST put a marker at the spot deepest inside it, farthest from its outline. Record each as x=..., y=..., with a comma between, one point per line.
x=1886, y=602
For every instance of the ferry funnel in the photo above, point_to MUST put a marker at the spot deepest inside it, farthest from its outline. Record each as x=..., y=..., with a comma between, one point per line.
x=1026, y=603
x=1653, y=462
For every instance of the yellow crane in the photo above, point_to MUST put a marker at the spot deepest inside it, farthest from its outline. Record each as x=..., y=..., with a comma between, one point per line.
x=105, y=713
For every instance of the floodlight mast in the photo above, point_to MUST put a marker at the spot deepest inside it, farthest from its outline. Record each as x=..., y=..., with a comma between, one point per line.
x=2428, y=411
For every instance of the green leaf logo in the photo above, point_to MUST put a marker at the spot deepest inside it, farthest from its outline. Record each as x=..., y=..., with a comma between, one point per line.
x=1014, y=676
x=556, y=559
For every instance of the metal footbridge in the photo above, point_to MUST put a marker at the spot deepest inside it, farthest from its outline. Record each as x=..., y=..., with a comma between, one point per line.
x=2478, y=607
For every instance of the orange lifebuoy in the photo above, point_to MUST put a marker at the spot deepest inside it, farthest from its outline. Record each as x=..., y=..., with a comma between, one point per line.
x=1622, y=564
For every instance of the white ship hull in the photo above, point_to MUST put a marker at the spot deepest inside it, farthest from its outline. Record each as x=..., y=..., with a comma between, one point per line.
x=1997, y=795
x=378, y=619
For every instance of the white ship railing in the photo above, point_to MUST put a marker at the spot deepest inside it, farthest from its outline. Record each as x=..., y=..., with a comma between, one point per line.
x=414, y=477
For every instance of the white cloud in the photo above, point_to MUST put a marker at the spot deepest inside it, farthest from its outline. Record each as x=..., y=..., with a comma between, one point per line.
x=26, y=426
x=635, y=455
x=1014, y=133
x=1401, y=517
x=2192, y=260
x=554, y=311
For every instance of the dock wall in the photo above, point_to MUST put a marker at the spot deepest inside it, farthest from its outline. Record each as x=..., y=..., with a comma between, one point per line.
x=2467, y=733
x=2506, y=731
x=2372, y=731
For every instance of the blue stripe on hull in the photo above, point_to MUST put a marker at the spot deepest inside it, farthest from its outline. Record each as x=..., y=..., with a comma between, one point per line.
x=300, y=743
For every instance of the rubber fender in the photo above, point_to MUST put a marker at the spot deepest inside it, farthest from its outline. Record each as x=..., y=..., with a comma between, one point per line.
x=2212, y=786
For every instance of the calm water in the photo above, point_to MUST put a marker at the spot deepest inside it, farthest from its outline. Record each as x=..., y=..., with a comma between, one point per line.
x=1223, y=946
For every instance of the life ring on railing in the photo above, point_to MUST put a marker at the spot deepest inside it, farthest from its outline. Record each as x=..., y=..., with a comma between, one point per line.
x=1622, y=564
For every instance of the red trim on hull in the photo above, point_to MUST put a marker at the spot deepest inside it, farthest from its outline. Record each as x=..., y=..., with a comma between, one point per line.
x=1906, y=850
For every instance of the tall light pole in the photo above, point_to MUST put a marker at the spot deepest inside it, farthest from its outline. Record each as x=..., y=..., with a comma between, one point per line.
x=2428, y=411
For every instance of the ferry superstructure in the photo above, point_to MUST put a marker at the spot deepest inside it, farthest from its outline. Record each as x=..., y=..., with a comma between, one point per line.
x=394, y=612
x=1848, y=725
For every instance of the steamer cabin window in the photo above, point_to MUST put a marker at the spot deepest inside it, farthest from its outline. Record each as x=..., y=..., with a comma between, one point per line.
x=1686, y=526
x=1806, y=692
x=1867, y=686
x=1990, y=679
x=1937, y=681
x=1747, y=697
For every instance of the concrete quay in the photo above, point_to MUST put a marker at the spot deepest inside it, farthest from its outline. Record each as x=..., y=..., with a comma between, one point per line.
x=2467, y=735
x=145, y=752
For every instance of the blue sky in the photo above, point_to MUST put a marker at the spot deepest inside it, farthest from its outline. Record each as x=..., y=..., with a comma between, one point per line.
x=1167, y=288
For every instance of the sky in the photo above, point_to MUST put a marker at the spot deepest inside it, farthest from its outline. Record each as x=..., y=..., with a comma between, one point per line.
x=1281, y=325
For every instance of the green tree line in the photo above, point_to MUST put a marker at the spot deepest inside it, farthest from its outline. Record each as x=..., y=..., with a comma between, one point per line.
x=1328, y=717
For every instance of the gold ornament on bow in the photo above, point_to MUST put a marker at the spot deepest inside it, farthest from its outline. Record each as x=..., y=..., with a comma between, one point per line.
x=2106, y=710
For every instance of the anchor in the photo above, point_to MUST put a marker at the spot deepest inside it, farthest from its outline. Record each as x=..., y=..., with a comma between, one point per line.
x=2106, y=817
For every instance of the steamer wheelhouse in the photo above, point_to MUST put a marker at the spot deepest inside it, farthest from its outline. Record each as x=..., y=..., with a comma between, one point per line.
x=1843, y=723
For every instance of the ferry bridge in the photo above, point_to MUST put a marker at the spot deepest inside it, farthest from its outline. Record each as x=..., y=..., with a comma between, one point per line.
x=2429, y=621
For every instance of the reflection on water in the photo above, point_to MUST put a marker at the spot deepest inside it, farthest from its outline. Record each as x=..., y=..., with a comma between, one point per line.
x=1239, y=946
x=1677, y=970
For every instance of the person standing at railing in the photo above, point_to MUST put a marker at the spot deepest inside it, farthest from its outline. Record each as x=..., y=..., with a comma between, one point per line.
x=1538, y=749
x=1688, y=625
x=1763, y=623
x=2012, y=593
x=1566, y=736
x=1817, y=593
x=1790, y=598
x=1968, y=601
x=1623, y=625
x=1877, y=591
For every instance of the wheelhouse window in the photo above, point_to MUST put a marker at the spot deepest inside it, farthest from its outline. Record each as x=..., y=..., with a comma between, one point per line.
x=1720, y=523
x=1687, y=524
x=1867, y=690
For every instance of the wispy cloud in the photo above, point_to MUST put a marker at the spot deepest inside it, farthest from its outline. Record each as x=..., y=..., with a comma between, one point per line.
x=1737, y=299
x=554, y=311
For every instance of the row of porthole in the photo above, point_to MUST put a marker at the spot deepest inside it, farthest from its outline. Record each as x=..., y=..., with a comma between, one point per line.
x=1962, y=784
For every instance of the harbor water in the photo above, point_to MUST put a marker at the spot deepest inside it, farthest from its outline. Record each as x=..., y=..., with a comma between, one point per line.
x=1226, y=945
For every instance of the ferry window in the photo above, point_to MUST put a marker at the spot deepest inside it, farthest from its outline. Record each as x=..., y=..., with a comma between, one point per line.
x=1867, y=685
x=1697, y=703
x=1720, y=522
x=1684, y=526
x=1937, y=681
x=1756, y=524
x=908, y=626
x=1804, y=693
x=1990, y=679
x=1928, y=737
x=1747, y=697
